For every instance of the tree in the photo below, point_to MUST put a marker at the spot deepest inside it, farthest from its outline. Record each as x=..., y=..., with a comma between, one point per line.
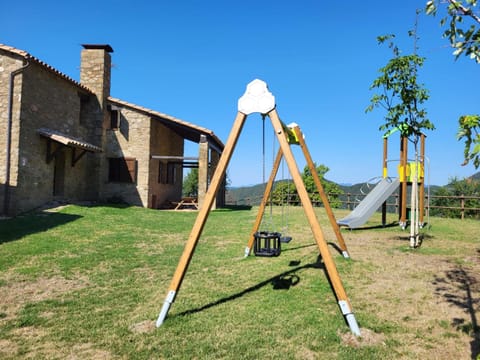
x=285, y=191
x=401, y=94
x=442, y=198
x=190, y=183
x=465, y=39
x=468, y=129
x=402, y=97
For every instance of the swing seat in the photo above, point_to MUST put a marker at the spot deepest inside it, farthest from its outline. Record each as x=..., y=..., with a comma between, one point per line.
x=285, y=239
x=267, y=244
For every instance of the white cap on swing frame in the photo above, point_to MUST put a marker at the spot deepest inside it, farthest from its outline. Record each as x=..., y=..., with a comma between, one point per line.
x=257, y=98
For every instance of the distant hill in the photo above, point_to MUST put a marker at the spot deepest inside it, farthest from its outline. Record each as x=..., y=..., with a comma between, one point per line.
x=247, y=195
x=475, y=176
x=252, y=195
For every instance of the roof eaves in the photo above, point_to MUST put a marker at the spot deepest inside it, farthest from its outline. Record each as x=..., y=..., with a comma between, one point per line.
x=169, y=117
x=50, y=68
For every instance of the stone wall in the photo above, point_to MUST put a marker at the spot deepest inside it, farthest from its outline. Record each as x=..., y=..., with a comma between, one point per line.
x=95, y=74
x=8, y=64
x=47, y=101
x=129, y=141
x=139, y=136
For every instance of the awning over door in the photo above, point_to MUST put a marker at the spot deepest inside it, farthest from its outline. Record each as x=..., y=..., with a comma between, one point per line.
x=66, y=140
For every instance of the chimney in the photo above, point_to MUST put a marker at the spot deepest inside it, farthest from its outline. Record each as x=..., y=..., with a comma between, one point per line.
x=95, y=70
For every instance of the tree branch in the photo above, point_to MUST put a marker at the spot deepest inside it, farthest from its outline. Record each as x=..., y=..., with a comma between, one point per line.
x=465, y=10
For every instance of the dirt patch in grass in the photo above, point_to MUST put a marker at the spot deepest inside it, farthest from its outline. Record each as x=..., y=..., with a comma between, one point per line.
x=368, y=338
x=87, y=351
x=8, y=348
x=143, y=327
x=15, y=294
x=433, y=299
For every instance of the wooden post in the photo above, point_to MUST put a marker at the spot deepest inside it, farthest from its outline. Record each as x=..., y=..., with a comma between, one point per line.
x=421, y=180
x=330, y=267
x=462, y=206
x=263, y=203
x=385, y=175
x=202, y=170
x=403, y=180
x=321, y=191
x=201, y=217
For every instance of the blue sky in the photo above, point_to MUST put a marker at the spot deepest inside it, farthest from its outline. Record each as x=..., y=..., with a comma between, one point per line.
x=193, y=60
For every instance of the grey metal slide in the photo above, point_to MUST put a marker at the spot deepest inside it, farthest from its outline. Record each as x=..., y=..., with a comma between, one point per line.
x=370, y=203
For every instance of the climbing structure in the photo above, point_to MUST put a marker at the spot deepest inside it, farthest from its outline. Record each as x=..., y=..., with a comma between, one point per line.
x=257, y=99
x=411, y=174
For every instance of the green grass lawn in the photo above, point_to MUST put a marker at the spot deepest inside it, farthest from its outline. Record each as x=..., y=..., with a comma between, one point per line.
x=88, y=282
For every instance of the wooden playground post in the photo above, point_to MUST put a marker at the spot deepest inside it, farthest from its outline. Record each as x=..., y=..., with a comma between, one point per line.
x=421, y=180
x=202, y=217
x=330, y=267
x=403, y=180
x=321, y=191
x=385, y=175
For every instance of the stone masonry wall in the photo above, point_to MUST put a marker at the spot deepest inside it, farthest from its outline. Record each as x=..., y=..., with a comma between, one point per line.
x=7, y=65
x=50, y=102
x=131, y=140
x=95, y=74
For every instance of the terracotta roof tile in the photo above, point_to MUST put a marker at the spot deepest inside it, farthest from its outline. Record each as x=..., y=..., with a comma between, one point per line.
x=175, y=121
x=68, y=140
x=50, y=68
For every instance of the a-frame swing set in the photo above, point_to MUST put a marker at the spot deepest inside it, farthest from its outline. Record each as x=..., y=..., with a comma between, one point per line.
x=260, y=240
x=258, y=99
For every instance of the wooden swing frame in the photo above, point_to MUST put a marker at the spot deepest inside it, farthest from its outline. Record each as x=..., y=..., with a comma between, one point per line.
x=258, y=99
x=299, y=140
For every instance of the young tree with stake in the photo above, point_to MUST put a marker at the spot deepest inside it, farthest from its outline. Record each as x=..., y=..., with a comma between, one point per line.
x=402, y=97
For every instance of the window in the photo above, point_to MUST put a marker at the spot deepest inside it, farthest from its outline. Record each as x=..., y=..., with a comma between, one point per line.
x=83, y=113
x=122, y=170
x=114, y=119
x=171, y=173
x=167, y=173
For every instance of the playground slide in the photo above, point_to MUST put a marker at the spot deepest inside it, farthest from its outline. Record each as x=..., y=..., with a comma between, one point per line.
x=370, y=203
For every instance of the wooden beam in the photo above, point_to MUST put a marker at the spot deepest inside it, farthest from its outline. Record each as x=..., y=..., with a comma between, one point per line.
x=76, y=158
x=50, y=152
x=166, y=157
x=330, y=267
x=202, y=216
x=321, y=191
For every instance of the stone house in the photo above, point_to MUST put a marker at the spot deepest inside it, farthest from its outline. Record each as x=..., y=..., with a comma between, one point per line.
x=66, y=140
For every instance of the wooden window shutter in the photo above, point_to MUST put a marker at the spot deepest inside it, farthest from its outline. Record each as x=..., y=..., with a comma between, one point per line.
x=130, y=171
x=122, y=170
x=114, y=119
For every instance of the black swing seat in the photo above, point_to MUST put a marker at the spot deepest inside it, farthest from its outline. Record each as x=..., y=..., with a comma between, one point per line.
x=267, y=244
x=285, y=239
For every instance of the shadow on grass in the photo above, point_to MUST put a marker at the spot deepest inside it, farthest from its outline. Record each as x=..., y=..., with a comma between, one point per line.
x=373, y=227
x=298, y=247
x=281, y=281
x=457, y=287
x=234, y=208
x=422, y=238
x=16, y=228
